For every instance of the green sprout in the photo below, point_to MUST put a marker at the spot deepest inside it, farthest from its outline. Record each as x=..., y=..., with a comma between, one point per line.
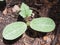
x=25, y=11
x=16, y=29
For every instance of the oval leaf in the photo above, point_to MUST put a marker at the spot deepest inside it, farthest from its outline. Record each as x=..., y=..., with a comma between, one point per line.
x=43, y=24
x=14, y=30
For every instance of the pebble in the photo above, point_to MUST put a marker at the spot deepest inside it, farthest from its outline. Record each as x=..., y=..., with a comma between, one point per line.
x=47, y=39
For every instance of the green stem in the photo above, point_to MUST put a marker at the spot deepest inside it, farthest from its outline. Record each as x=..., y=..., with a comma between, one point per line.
x=27, y=21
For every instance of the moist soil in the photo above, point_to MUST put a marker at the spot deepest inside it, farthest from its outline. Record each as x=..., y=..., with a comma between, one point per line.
x=41, y=8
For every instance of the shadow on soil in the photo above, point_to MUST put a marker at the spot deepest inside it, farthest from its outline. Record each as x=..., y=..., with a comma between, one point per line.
x=20, y=18
x=34, y=34
x=10, y=42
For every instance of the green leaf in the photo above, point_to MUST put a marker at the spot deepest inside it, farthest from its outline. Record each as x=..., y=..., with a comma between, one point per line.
x=43, y=24
x=25, y=11
x=14, y=30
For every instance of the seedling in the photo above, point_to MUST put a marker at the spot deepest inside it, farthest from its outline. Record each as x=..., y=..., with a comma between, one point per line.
x=16, y=29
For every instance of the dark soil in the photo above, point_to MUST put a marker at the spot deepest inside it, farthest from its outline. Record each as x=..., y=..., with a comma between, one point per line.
x=44, y=8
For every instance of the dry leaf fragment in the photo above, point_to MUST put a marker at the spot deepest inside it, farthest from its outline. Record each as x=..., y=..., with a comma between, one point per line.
x=15, y=8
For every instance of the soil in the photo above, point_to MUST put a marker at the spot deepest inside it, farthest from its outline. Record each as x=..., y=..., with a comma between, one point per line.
x=41, y=8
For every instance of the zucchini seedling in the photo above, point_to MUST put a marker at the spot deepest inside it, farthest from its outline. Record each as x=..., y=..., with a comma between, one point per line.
x=16, y=29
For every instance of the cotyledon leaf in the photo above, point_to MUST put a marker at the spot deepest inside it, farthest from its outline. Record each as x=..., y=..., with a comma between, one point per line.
x=43, y=24
x=14, y=30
